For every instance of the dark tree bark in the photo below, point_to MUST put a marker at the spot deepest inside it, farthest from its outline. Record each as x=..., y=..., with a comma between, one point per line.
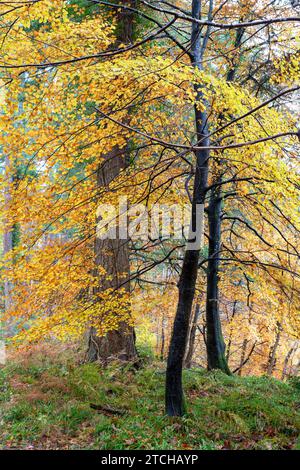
x=215, y=345
x=187, y=283
x=113, y=255
x=192, y=337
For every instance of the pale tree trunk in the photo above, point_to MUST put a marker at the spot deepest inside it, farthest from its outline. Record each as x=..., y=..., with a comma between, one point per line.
x=113, y=255
x=10, y=236
x=273, y=350
x=286, y=361
x=231, y=331
x=8, y=232
x=243, y=355
x=162, y=347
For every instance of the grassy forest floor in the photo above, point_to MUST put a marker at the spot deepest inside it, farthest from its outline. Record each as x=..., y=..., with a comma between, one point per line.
x=48, y=400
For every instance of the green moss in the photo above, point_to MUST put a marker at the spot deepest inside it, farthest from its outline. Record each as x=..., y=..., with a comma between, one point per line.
x=222, y=411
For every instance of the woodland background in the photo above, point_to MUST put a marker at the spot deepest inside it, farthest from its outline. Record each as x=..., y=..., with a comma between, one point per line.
x=184, y=102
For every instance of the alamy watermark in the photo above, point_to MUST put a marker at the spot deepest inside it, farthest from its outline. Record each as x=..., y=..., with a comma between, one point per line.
x=141, y=223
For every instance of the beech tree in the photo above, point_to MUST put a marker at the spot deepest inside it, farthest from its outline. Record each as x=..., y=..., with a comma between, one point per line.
x=196, y=107
x=113, y=255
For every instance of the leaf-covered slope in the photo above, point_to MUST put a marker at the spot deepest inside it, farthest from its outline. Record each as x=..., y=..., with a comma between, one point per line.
x=46, y=403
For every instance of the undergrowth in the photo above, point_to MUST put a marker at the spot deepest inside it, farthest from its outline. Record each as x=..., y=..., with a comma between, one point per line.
x=46, y=398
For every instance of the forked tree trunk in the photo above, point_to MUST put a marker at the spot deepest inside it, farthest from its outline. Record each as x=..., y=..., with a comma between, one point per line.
x=113, y=255
x=187, y=283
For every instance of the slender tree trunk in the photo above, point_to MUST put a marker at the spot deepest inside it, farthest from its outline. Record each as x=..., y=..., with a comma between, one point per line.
x=162, y=347
x=113, y=255
x=286, y=362
x=187, y=283
x=10, y=239
x=273, y=351
x=192, y=337
x=215, y=345
x=243, y=355
x=231, y=331
x=8, y=234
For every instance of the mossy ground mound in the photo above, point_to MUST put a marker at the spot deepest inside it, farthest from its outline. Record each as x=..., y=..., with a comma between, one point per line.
x=45, y=403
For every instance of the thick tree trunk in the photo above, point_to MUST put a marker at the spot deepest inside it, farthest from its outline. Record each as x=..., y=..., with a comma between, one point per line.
x=115, y=345
x=113, y=255
x=187, y=283
x=215, y=345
